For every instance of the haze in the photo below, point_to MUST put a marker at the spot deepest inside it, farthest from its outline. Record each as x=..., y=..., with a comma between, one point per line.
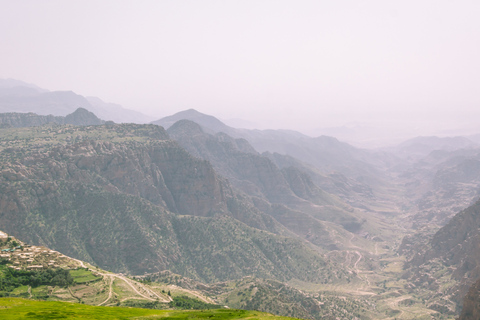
x=392, y=68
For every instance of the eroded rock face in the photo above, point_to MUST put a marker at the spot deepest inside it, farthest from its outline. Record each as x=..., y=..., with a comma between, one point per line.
x=161, y=172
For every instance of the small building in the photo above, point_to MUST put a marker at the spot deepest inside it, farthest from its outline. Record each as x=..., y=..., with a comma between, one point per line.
x=35, y=267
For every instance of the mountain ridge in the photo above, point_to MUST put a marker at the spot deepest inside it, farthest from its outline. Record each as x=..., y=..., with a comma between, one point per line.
x=20, y=97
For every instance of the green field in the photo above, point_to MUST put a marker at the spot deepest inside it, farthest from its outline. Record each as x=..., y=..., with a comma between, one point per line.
x=16, y=308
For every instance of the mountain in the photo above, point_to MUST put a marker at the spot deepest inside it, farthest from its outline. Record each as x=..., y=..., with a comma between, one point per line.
x=129, y=199
x=207, y=122
x=326, y=154
x=58, y=103
x=9, y=84
x=19, y=97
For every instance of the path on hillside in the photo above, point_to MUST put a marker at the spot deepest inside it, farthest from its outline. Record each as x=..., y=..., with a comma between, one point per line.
x=149, y=294
x=357, y=270
x=394, y=304
x=148, y=291
x=360, y=257
x=109, y=290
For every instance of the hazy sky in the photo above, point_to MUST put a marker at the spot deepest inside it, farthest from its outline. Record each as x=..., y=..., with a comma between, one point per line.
x=290, y=64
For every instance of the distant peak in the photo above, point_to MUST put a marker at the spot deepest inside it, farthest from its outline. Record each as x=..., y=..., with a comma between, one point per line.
x=185, y=127
x=82, y=116
x=191, y=112
x=207, y=122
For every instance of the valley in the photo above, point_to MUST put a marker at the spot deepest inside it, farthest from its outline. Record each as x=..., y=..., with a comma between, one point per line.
x=187, y=212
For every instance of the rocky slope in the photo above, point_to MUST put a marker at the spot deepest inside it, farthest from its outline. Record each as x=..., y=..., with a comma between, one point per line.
x=471, y=303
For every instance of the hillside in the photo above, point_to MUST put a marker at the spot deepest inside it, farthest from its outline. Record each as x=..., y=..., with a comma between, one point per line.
x=37, y=272
x=128, y=199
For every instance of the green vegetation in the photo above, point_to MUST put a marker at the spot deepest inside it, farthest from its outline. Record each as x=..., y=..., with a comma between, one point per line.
x=82, y=275
x=11, y=278
x=14, y=308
